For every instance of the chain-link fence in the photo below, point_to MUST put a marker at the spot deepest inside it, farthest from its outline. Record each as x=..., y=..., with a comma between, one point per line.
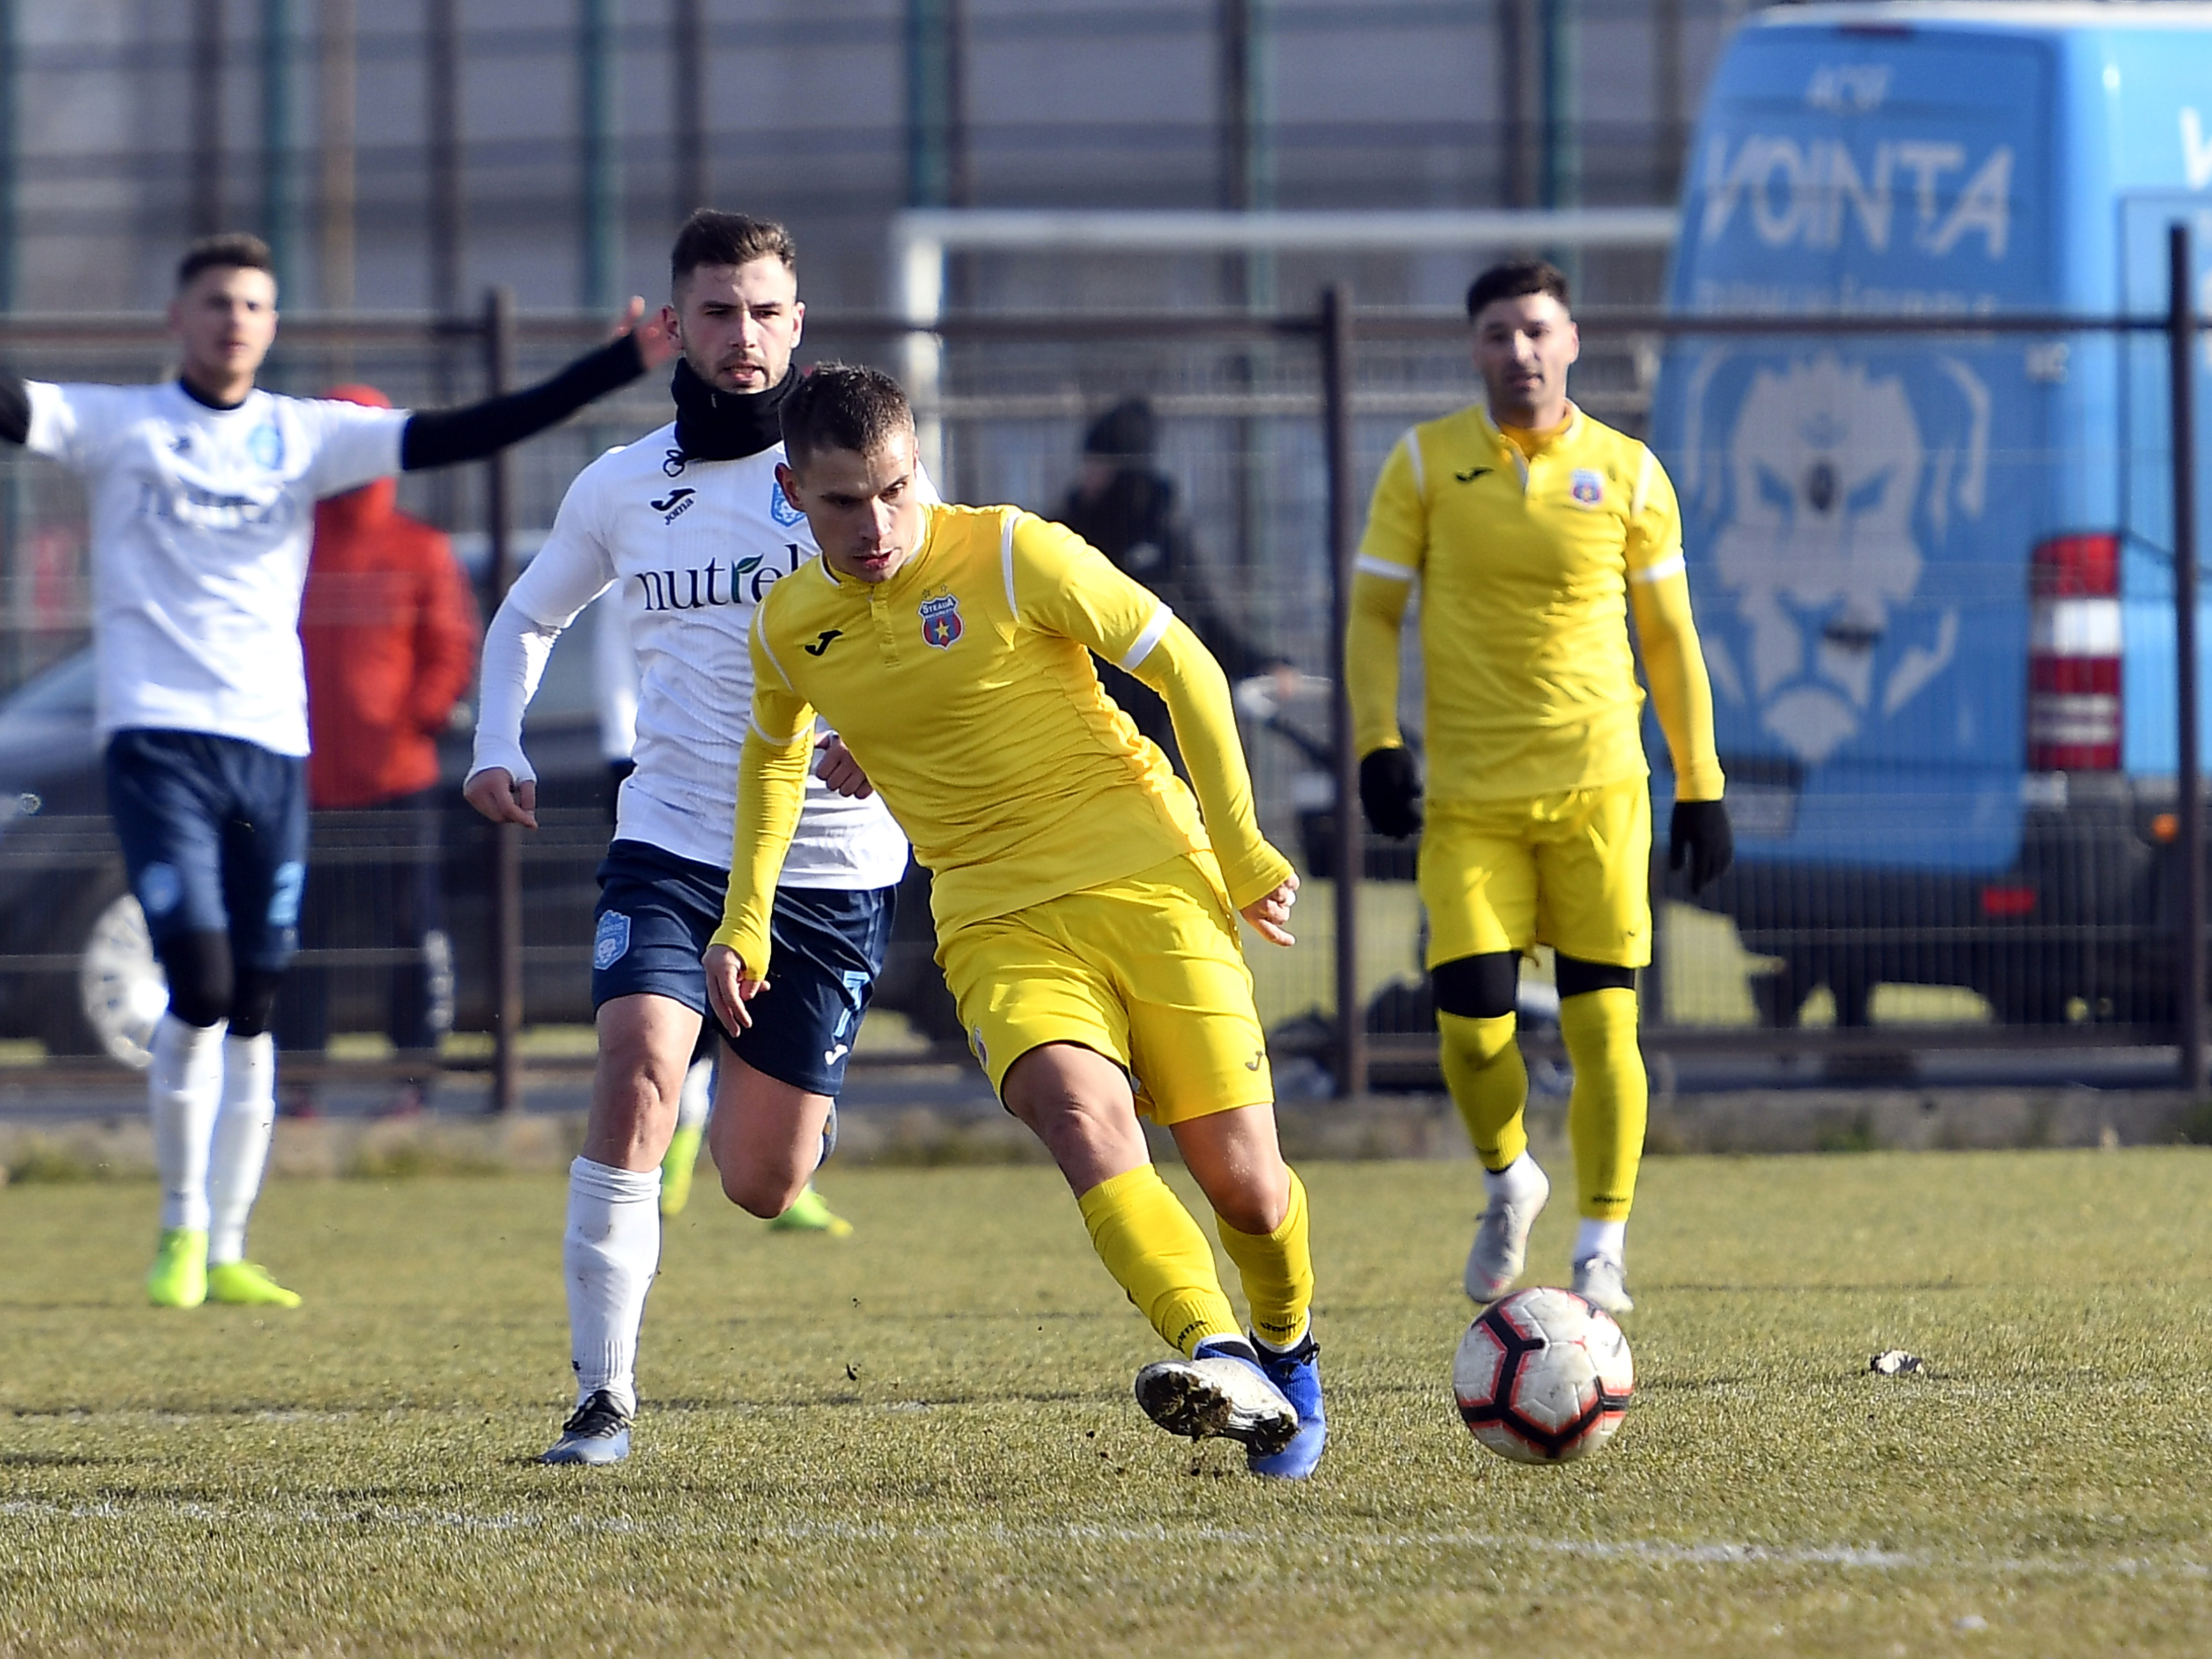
x=1934, y=574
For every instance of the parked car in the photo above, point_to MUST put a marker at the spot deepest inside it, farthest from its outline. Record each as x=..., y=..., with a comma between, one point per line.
x=1934, y=573
x=77, y=971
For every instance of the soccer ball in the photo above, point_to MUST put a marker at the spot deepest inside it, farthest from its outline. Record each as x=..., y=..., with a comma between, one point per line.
x=1543, y=1376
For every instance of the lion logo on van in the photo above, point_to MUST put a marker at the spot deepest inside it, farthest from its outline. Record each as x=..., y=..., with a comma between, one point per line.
x=1828, y=477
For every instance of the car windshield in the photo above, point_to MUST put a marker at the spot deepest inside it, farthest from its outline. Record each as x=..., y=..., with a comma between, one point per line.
x=64, y=689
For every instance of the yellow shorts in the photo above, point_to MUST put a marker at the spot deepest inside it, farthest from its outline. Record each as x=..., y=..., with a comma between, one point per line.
x=1571, y=870
x=1147, y=970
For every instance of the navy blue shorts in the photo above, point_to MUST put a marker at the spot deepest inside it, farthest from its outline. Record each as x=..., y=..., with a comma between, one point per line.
x=657, y=914
x=215, y=836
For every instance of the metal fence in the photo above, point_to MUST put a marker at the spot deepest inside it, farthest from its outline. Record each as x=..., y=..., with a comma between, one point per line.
x=1957, y=723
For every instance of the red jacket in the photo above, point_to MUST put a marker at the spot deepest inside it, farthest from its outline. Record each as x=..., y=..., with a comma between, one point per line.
x=389, y=628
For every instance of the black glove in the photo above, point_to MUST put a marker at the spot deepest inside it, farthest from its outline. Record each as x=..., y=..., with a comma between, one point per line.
x=1391, y=791
x=1700, y=837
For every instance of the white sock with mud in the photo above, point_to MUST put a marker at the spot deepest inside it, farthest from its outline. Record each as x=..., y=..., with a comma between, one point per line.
x=184, y=1087
x=242, y=1131
x=608, y=1258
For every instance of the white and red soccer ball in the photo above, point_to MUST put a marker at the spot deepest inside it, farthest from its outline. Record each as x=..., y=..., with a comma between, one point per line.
x=1543, y=1376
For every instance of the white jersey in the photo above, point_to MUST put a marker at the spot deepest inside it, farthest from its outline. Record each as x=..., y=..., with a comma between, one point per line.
x=688, y=546
x=201, y=523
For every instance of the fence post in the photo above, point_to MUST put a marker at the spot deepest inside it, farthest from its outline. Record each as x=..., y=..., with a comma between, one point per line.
x=1336, y=409
x=2181, y=353
x=506, y=838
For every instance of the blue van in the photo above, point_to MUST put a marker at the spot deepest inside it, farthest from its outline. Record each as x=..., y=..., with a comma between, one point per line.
x=1934, y=573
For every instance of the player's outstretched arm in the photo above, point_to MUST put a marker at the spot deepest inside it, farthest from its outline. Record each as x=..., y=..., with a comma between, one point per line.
x=1060, y=583
x=1674, y=668
x=570, y=571
x=446, y=437
x=1698, y=837
x=1261, y=883
x=771, y=791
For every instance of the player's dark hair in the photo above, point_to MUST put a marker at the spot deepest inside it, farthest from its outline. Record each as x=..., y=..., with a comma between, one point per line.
x=234, y=250
x=842, y=406
x=712, y=238
x=1514, y=278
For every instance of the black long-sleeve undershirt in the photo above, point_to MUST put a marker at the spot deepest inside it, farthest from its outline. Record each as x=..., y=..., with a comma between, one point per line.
x=446, y=437
x=14, y=408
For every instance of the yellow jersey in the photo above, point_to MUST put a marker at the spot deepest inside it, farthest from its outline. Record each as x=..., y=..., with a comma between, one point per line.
x=962, y=684
x=1524, y=562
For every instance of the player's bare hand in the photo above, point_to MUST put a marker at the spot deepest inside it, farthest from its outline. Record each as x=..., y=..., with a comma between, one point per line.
x=840, y=770
x=656, y=335
x=494, y=793
x=730, y=987
x=1270, y=913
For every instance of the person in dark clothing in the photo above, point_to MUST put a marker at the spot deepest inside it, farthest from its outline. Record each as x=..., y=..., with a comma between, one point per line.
x=388, y=626
x=1124, y=506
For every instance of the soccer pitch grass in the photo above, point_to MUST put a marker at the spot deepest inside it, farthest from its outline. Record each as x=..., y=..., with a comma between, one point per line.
x=920, y=1439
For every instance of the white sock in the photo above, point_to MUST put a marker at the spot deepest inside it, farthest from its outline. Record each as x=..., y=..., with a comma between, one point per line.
x=242, y=1129
x=182, y=1087
x=698, y=1095
x=1520, y=1180
x=1607, y=1238
x=608, y=1256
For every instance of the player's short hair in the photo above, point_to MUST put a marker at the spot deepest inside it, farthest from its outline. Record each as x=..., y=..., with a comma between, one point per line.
x=842, y=406
x=710, y=237
x=232, y=251
x=1514, y=278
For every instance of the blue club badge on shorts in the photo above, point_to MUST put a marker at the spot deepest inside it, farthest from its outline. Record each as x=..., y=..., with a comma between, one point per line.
x=610, y=942
x=160, y=887
x=940, y=621
x=1587, y=487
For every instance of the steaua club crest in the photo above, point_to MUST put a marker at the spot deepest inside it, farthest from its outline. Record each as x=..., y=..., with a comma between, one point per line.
x=940, y=621
x=1587, y=487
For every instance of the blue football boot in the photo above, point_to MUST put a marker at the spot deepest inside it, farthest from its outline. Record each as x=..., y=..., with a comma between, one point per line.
x=598, y=1433
x=1219, y=1390
x=1297, y=1373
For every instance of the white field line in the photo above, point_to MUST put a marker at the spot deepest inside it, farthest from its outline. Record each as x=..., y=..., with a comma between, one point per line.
x=1634, y=1551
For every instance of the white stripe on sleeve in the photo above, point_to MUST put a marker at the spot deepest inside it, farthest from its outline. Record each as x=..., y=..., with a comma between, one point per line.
x=769, y=738
x=1367, y=565
x=1155, y=631
x=1007, y=562
x=1659, y=572
x=1413, y=443
x=761, y=633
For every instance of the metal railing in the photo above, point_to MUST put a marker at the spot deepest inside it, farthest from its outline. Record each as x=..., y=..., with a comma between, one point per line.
x=1277, y=422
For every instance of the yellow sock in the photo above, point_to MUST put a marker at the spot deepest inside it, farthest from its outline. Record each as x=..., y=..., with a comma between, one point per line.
x=1489, y=1085
x=1277, y=1269
x=1157, y=1254
x=1612, y=1097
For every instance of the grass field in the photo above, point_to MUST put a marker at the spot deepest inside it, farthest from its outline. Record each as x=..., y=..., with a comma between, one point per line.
x=920, y=1439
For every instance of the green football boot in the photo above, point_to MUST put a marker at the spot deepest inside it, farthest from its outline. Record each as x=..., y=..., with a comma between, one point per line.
x=178, y=1277
x=247, y=1285
x=676, y=1170
x=809, y=1214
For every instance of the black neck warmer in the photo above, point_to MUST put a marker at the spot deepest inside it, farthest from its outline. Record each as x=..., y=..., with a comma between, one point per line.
x=727, y=426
